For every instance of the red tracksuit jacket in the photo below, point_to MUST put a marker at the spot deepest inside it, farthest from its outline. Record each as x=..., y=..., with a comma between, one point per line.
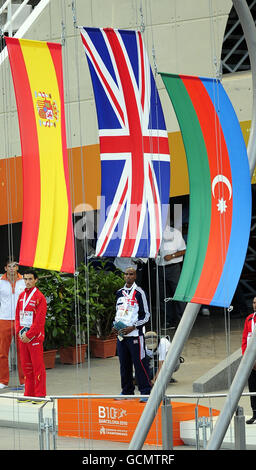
x=247, y=330
x=38, y=306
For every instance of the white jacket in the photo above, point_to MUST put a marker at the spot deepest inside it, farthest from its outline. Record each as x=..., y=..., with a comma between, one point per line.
x=9, y=297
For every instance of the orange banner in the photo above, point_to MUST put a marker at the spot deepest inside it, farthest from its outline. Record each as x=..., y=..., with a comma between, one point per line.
x=116, y=420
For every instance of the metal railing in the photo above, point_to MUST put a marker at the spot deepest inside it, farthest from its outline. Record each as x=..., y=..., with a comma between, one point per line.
x=12, y=17
x=238, y=51
x=16, y=22
x=48, y=437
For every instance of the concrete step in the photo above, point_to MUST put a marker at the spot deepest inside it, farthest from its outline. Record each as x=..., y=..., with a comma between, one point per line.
x=188, y=434
x=24, y=415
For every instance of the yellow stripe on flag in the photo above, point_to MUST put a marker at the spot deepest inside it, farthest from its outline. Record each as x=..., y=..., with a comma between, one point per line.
x=54, y=202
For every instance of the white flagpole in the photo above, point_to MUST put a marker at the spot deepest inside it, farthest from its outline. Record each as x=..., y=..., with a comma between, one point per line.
x=167, y=369
x=249, y=356
x=191, y=310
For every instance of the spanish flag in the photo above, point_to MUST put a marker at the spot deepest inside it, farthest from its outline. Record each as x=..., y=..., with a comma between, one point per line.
x=47, y=240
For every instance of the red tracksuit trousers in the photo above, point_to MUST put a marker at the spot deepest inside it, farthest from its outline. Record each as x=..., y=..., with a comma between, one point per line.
x=31, y=355
x=7, y=331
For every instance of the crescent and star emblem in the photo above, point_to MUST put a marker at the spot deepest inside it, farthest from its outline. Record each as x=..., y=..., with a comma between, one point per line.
x=222, y=206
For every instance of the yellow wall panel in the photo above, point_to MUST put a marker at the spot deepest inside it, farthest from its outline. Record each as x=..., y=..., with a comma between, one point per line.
x=179, y=169
x=85, y=177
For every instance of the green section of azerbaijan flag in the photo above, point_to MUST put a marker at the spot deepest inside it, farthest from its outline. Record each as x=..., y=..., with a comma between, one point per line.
x=200, y=187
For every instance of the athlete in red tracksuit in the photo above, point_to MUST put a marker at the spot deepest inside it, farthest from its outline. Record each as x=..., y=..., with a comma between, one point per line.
x=249, y=325
x=30, y=314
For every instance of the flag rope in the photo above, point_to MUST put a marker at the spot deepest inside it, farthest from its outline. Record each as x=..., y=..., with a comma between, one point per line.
x=12, y=202
x=85, y=239
x=154, y=326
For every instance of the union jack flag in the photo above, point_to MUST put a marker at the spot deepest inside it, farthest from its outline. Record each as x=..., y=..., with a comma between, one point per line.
x=135, y=157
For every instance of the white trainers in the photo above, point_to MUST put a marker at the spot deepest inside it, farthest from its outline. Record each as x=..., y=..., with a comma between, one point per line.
x=3, y=386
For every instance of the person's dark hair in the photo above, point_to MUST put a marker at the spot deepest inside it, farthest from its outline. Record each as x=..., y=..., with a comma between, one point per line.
x=31, y=271
x=9, y=260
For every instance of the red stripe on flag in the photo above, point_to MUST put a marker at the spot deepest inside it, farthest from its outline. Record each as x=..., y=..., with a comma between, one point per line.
x=68, y=263
x=218, y=158
x=157, y=215
x=122, y=144
x=142, y=71
x=137, y=155
x=30, y=153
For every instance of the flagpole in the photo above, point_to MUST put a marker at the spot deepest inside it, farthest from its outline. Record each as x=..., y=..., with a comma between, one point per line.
x=167, y=369
x=191, y=311
x=249, y=357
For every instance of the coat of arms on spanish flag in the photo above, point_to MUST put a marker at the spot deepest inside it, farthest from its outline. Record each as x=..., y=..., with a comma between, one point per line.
x=47, y=232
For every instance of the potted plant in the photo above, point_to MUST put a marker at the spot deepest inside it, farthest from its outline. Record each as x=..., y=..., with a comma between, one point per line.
x=50, y=349
x=73, y=345
x=50, y=284
x=101, y=286
x=63, y=331
x=78, y=306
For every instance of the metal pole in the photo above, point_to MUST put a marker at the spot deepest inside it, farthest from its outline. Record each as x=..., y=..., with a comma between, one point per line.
x=41, y=429
x=167, y=425
x=239, y=422
x=9, y=19
x=157, y=393
x=54, y=427
x=47, y=436
x=205, y=425
x=197, y=428
x=249, y=357
x=234, y=394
